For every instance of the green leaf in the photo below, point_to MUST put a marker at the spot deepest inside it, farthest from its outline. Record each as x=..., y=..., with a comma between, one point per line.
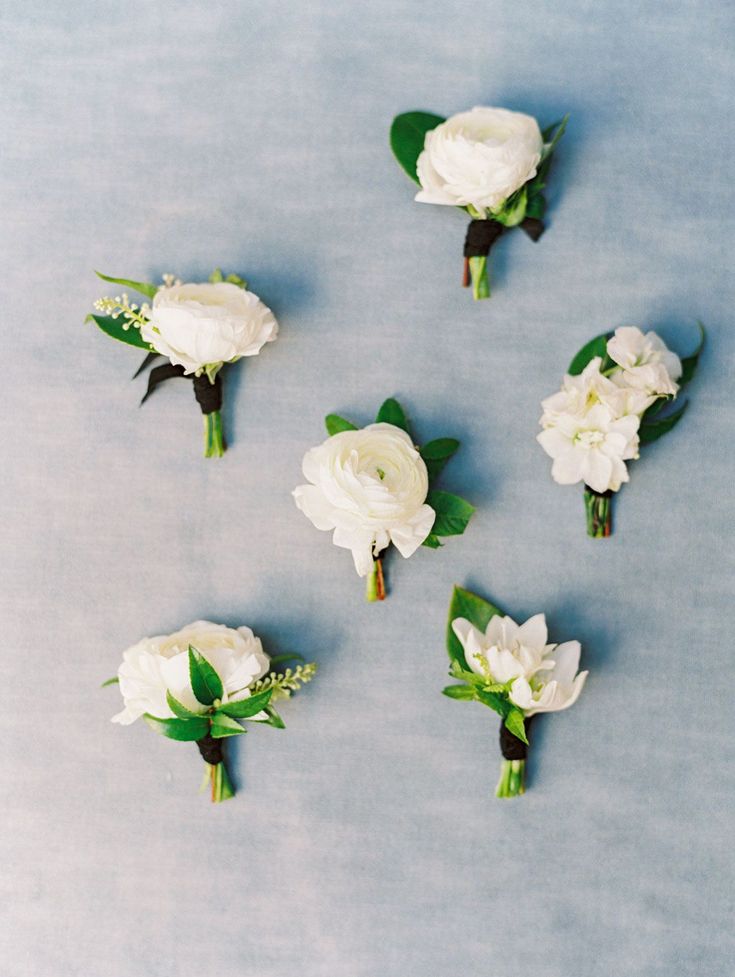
x=651, y=431
x=452, y=513
x=334, y=424
x=437, y=453
x=536, y=206
x=477, y=611
x=391, y=412
x=274, y=719
x=233, y=279
x=433, y=542
x=407, y=135
x=223, y=726
x=185, y=730
x=145, y=288
x=459, y=692
x=179, y=709
x=689, y=363
x=513, y=210
x=514, y=724
x=115, y=329
x=110, y=681
x=245, y=708
x=293, y=657
x=494, y=700
x=595, y=347
x=216, y=277
x=205, y=682
x=552, y=141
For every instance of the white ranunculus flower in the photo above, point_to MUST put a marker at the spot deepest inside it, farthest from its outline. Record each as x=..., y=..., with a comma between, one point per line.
x=370, y=487
x=543, y=676
x=155, y=665
x=207, y=324
x=479, y=157
x=647, y=364
x=592, y=447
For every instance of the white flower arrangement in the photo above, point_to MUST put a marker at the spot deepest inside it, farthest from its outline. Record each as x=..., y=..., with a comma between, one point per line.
x=372, y=487
x=198, y=327
x=490, y=162
x=612, y=401
x=511, y=669
x=200, y=684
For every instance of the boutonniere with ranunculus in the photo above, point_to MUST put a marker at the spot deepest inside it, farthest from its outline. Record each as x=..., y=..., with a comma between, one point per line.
x=491, y=163
x=612, y=400
x=513, y=670
x=372, y=487
x=200, y=684
x=198, y=327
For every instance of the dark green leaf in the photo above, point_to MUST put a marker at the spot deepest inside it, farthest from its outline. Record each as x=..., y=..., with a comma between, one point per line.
x=432, y=541
x=145, y=288
x=595, y=347
x=552, y=140
x=110, y=681
x=179, y=709
x=514, y=724
x=494, y=700
x=459, y=692
x=205, y=682
x=653, y=430
x=115, y=329
x=536, y=206
x=223, y=726
x=334, y=424
x=185, y=730
x=477, y=611
x=294, y=657
x=391, y=412
x=437, y=453
x=274, y=719
x=245, y=708
x=452, y=513
x=407, y=135
x=689, y=363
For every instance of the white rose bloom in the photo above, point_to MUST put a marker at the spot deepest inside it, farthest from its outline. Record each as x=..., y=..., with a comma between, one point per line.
x=592, y=447
x=520, y=655
x=199, y=325
x=647, y=363
x=157, y=665
x=370, y=487
x=479, y=157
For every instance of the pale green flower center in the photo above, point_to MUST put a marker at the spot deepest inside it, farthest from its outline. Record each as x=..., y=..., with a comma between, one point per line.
x=588, y=439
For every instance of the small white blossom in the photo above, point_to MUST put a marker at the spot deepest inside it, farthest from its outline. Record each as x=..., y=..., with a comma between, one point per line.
x=647, y=364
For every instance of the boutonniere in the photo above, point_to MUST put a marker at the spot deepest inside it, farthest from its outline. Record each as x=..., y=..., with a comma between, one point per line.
x=200, y=684
x=511, y=669
x=372, y=487
x=612, y=400
x=491, y=163
x=198, y=327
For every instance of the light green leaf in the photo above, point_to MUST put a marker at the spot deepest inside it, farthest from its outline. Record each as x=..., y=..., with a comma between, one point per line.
x=334, y=424
x=145, y=288
x=293, y=657
x=459, y=692
x=407, y=135
x=185, y=730
x=179, y=709
x=274, y=719
x=223, y=726
x=245, y=708
x=391, y=412
x=513, y=210
x=437, y=453
x=452, y=513
x=216, y=277
x=550, y=141
x=651, y=431
x=433, y=542
x=514, y=724
x=595, y=347
x=110, y=681
x=476, y=610
x=205, y=682
x=115, y=328
x=689, y=363
x=233, y=279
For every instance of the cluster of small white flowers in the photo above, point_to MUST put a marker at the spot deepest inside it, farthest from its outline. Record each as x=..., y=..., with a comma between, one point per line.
x=133, y=314
x=591, y=425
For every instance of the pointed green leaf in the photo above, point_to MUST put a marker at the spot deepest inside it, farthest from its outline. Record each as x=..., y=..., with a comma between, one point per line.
x=179, y=709
x=651, y=431
x=494, y=700
x=233, y=279
x=476, y=610
x=145, y=288
x=216, y=277
x=244, y=708
x=595, y=347
x=459, y=692
x=452, y=513
x=205, y=682
x=293, y=657
x=274, y=719
x=391, y=412
x=551, y=138
x=689, y=363
x=335, y=424
x=407, y=135
x=514, y=724
x=110, y=681
x=223, y=726
x=513, y=210
x=536, y=206
x=437, y=453
x=185, y=730
x=115, y=328
x=433, y=542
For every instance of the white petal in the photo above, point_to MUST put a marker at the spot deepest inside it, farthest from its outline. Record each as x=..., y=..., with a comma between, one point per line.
x=314, y=505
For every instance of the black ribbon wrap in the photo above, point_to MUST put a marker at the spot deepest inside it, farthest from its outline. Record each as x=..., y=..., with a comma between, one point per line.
x=210, y=749
x=510, y=746
x=482, y=234
x=208, y=395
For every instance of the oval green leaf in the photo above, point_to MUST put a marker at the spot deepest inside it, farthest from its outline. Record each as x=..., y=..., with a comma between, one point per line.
x=335, y=424
x=245, y=708
x=115, y=328
x=184, y=730
x=477, y=610
x=205, y=682
x=407, y=135
x=391, y=412
x=595, y=347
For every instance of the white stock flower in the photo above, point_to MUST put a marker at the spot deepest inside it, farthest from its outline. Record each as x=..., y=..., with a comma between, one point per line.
x=479, y=157
x=580, y=393
x=647, y=364
x=591, y=447
x=156, y=665
x=543, y=677
x=370, y=487
x=207, y=324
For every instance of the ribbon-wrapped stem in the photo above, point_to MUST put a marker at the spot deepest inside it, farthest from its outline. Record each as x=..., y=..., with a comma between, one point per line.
x=215, y=774
x=513, y=765
x=598, y=509
x=209, y=397
x=482, y=233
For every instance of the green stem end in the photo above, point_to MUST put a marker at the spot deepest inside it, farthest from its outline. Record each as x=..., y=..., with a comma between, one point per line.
x=214, y=438
x=512, y=781
x=479, y=276
x=375, y=589
x=218, y=779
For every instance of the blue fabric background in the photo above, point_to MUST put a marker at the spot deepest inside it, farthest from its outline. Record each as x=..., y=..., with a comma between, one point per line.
x=365, y=841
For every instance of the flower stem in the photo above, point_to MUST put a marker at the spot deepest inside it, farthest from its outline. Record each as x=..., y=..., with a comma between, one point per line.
x=220, y=782
x=480, y=280
x=512, y=778
x=214, y=439
x=598, y=508
x=375, y=583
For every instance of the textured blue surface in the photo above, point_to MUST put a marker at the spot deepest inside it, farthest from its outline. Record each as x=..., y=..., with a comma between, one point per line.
x=140, y=138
